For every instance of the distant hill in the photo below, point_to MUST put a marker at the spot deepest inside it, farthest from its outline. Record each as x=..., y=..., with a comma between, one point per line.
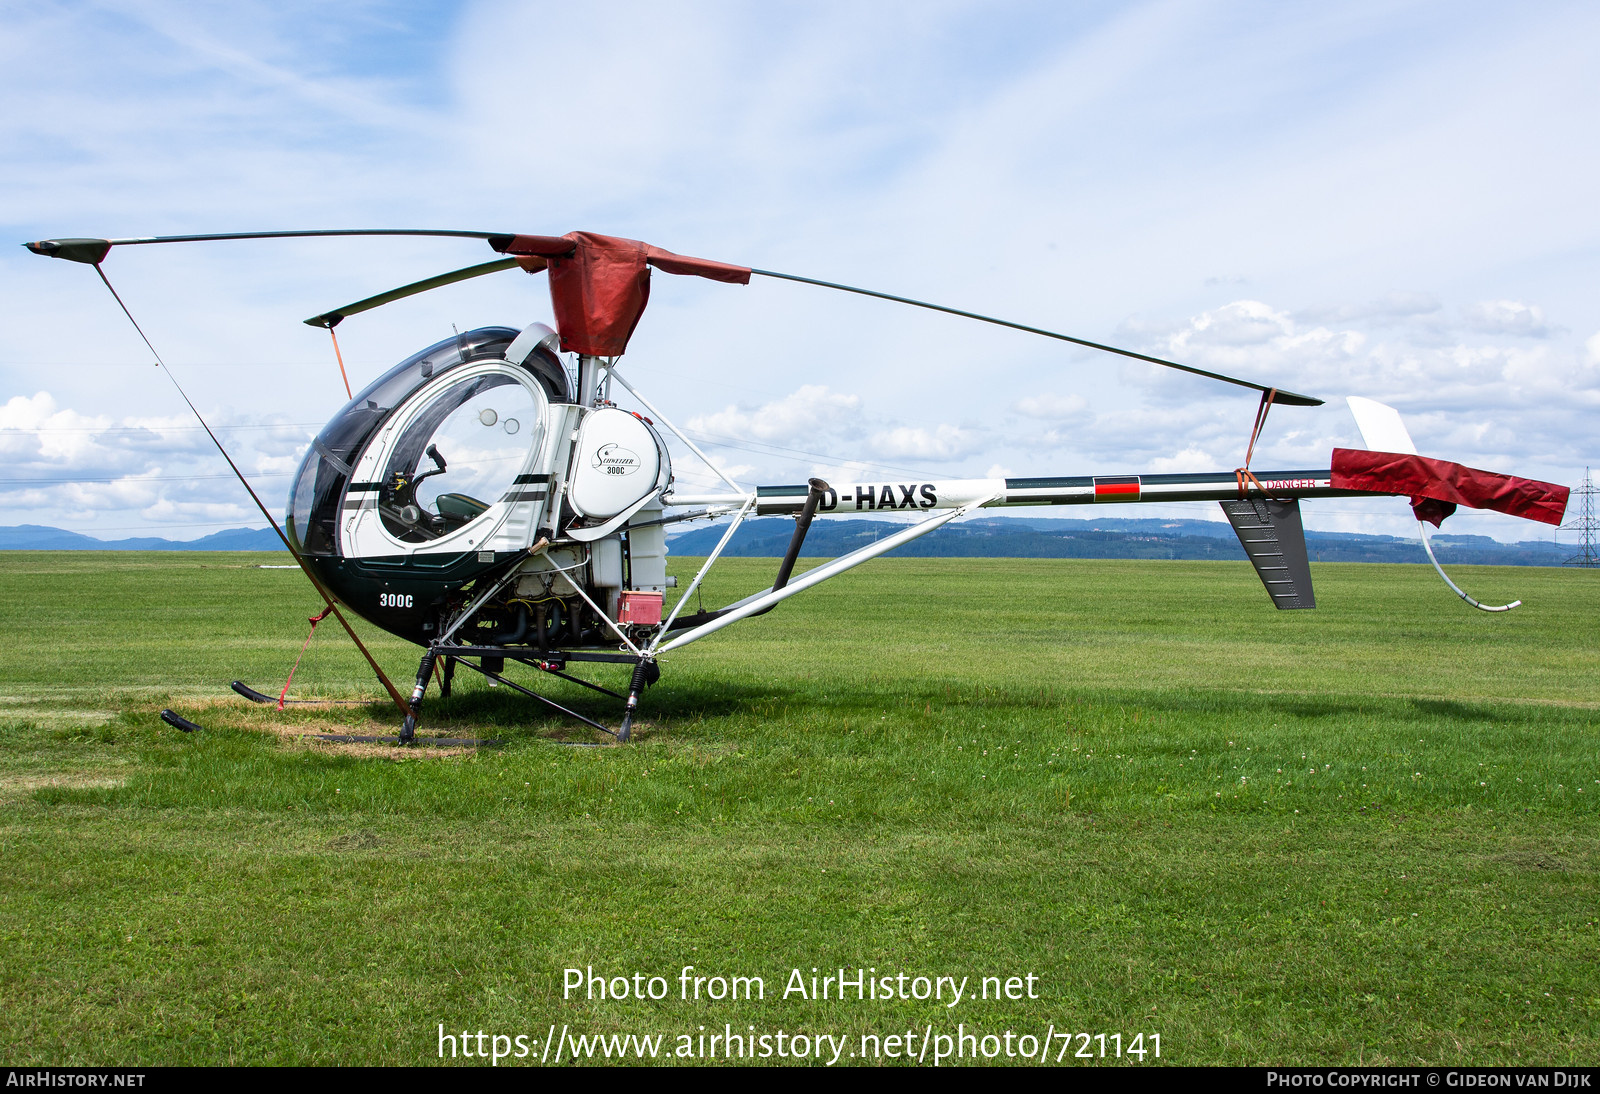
x=998, y=537
x=1111, y=537
x=39, y=537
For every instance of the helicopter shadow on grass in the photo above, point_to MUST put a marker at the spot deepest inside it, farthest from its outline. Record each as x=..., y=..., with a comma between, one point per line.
x=1305, y=708
x=508, y=716
x=1181, y=703
x=1298, y=707
x=1312, y=708
x=1176, y=702
x=1450, y=710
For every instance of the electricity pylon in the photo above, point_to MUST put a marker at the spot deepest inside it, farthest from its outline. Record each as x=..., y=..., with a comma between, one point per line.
x=1585, y=524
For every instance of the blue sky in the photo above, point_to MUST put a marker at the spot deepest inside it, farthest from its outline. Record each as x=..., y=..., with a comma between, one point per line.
x=1386, y=199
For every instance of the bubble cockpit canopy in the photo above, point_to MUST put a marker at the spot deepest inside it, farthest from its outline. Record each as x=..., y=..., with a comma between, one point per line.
x=453, y=424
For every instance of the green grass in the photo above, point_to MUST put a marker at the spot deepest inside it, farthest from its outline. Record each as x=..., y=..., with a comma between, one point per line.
x=1367, y=833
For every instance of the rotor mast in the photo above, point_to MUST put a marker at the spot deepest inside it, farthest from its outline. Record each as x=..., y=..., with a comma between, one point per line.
x=589, y=374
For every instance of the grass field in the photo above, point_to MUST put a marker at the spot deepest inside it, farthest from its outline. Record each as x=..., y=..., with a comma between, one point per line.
x=1368, y=833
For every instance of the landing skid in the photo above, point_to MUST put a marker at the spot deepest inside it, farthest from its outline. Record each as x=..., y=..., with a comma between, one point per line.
x=255, y=696
x=489, y=661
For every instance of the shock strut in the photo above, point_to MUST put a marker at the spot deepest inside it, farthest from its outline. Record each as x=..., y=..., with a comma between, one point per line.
x=642, y=677
x=408, y=729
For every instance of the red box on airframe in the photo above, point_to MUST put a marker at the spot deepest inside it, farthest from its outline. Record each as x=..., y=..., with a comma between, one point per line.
x=639, y=608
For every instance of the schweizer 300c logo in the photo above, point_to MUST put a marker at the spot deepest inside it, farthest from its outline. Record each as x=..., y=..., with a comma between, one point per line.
x=613, y=459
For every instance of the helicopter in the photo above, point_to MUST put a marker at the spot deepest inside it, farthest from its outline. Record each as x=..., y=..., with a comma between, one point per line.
x=488, y=500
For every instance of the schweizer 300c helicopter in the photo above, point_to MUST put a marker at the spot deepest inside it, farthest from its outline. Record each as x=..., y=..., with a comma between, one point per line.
x=487, y=500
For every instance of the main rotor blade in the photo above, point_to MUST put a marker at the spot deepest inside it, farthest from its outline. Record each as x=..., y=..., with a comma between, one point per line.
x=1287, y=398
x=92, y=251
x=333, y=318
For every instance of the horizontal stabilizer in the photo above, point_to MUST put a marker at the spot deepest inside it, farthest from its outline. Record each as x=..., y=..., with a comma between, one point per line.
x=1271, y=535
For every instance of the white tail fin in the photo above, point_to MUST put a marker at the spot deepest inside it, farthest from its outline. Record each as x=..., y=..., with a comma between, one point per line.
x=1381, y=427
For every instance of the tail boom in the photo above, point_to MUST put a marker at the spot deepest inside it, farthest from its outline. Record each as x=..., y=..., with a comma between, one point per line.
x=880, y=496
x=1354, y=474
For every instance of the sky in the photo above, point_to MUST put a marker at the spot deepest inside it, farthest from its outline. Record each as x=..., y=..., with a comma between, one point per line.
x=1388, y=199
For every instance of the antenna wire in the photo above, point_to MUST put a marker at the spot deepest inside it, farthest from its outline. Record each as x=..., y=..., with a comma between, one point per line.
x=305, y=569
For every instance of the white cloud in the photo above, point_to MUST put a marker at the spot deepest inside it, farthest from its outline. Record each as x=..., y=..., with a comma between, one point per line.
x=1391, y=307
x=797, y=417
x=1319, y=155
x=944, y=442
x=1190, y=459
x=1507, y=317
x=167, y=510
x=1049, y=405
x=1447, y=368
x=66, y=465
x=1254, y=341
x=694, y=477
x=1242, y=323
x=845, y=471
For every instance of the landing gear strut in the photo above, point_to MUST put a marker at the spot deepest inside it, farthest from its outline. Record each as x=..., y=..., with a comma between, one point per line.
x=408, y=730
x=645, y=673
x=490, y=661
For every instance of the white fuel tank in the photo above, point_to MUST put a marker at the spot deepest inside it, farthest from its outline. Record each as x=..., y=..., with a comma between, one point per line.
x=617, y=462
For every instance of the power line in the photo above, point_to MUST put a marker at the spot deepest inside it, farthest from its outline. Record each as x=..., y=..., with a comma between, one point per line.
x=154, y=428
x=133, y=480
x=765, y=449
x=186, y=364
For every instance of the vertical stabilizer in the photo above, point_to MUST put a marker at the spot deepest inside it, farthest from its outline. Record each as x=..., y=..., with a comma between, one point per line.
x=1271, y=535
x=1381, y=426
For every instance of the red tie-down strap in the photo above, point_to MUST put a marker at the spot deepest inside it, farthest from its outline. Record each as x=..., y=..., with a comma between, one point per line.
x=284, y=694
x=1244, y=473
x=1436, y=487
